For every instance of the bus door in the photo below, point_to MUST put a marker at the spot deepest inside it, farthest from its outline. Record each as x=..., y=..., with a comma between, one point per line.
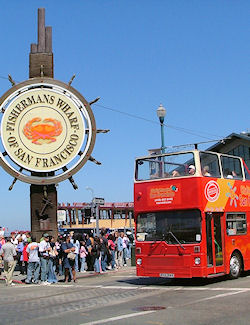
x=215, y=246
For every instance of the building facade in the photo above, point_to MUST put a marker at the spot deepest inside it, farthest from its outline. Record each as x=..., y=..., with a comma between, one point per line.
x=236, y=145
x=81, y=217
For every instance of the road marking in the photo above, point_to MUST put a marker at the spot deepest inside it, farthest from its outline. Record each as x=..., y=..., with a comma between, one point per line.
x=123, y=276
x=210, y=298
x=61, y=285
x=90, y=285
x=45, y=286
x=148, y=287
x=128, y=287
x=112, y=319
x=214, y=289
x=121, y=287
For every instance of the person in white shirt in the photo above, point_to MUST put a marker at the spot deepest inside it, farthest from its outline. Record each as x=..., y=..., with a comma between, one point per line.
x=14, y=240
x=33, y=262
x=44, y=249
x=76, y=244
x=124, y=243
x=8, y=251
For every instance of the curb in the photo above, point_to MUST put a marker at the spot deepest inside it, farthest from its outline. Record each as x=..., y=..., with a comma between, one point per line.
x=103, y=273
x=15, y=281
x=87, y=275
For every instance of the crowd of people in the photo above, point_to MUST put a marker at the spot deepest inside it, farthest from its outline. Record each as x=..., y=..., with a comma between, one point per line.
x=42, y=261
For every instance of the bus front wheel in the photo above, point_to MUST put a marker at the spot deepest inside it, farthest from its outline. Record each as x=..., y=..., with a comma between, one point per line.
x=235, y=266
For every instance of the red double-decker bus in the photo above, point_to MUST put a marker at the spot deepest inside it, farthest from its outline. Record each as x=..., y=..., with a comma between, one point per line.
x=192, y=215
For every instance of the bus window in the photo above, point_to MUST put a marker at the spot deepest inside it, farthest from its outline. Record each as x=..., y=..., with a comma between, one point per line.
x=236, y=224
x=209, y=165
x=231, y=167
x=171, y=226
x=150, y=168
x=174, y=165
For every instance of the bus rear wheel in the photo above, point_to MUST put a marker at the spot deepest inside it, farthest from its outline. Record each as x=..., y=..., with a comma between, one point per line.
x=235, y=266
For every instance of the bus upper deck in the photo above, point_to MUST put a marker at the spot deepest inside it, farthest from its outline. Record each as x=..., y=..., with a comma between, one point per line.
x=199, y=179
x=190, y=163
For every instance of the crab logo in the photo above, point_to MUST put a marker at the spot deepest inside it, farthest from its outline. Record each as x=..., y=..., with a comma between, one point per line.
x=38, y=130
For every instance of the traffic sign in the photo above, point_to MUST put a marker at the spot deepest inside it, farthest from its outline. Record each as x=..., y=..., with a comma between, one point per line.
x=98, y=200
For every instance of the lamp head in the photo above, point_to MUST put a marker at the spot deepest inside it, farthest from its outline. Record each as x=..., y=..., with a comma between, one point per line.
x=161, y=111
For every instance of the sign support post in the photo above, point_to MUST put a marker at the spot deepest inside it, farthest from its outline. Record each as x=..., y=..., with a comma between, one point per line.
x=43, y=199
x=97, y=202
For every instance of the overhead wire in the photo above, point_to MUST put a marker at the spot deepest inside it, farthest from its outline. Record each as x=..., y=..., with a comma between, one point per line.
x=184, y=130
x=4, y=77
x=192, y=132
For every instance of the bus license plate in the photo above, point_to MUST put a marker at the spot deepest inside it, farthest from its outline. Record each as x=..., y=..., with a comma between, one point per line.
x=167, y=275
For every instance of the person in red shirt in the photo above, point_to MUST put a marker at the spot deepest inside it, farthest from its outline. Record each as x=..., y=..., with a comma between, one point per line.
x=2, y=241
x=25, y=257
x=111, y=246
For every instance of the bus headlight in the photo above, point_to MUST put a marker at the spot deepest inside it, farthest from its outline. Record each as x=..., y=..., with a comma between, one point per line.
x=197, y=261
x=138, y=261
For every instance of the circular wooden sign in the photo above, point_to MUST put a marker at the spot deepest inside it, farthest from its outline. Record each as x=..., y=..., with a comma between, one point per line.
x=47, y=129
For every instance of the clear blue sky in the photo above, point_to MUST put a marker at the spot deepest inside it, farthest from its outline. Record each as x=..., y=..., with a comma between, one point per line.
x=191, y=56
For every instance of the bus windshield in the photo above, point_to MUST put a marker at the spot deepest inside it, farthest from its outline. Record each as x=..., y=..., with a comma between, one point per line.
x=174, y=165
x=185, y=225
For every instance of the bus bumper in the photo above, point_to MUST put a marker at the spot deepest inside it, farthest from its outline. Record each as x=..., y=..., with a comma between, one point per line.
x=170, y=267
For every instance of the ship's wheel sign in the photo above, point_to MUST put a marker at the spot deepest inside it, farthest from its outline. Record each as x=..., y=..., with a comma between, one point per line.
x=46, y=126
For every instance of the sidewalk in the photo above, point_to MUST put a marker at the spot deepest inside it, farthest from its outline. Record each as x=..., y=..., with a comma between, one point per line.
x=19, y=278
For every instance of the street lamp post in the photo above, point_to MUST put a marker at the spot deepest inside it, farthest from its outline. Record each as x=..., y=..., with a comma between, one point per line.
x=91, y=190
x=97, y=209
x=161, y=113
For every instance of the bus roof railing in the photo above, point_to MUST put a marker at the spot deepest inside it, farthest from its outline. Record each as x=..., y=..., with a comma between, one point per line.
x=187, y=151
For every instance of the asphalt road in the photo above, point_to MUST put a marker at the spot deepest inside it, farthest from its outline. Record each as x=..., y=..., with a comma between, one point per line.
x=122, y=298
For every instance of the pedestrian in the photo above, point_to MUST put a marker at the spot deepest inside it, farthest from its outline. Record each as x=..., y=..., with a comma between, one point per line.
x=104, y=249
x=25, y=257
x=68, y=258
x=96, y=253
x=44, y=249
x=2, y=240
x=28, y=236
x=130, y=243
x=119, y=251
x=90, y=257
x=14, y=239
x=9, y=253
x=76, y=244
x=125, y=241
x=19, y=250
x=59, y=256
x=33, y=270
x=52, y=261
x=83, y=254
x=111, y=245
